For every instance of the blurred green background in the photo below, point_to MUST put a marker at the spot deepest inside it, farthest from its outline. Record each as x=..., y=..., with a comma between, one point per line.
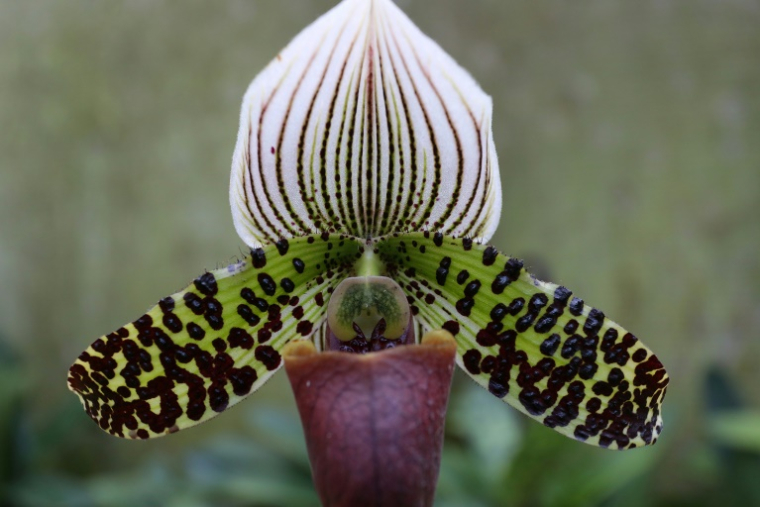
x=629, y=142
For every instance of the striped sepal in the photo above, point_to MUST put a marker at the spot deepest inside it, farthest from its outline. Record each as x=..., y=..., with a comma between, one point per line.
x=364, y=125
x=205, y=348
x=532, y=343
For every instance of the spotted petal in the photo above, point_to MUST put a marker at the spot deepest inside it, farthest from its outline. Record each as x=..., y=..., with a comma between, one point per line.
x=532, y=343
x=207, y=347
x=365, y=126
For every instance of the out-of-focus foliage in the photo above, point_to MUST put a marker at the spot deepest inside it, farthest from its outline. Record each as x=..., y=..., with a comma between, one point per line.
x=627, y=136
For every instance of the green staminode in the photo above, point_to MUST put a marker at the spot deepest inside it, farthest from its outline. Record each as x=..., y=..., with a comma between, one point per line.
x=364, y=301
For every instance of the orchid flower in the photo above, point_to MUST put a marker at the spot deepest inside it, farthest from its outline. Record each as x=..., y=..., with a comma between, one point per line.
x=365, y=182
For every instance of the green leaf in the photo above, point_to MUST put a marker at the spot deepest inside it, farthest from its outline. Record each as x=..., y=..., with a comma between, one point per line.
x=739, y=429
x=532, y=343
x=205, y=348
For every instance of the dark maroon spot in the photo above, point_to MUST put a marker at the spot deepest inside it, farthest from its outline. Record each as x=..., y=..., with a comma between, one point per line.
x=471, y=360
x=608, y=342
x=268, y=356
x=571, y=346
x=571, y=327
x=451, y=326
x=206, y=284
x=576, y=306
x=464, y=306
x=545, y=324
x=602, y=389
x=524, y=322
x=215, y=321
x=615, y=377
x=472, y=289
x=282, y=246
x=516, y=306
x=248, y=295
x=593, y=322
x=486, y=338
x=219, y=345
x=167, y=304
x=258, y=258
x=532, y=401
x=264, y=335
x=488, y=364
x=319, y=299
x=587, y=371
x=443, y=270
x=499, y=312
x=498, y=385
x=495, y=327
x=438, y=239
x=195, y=331
x=183, y=355
x=274, y=312
x=212, y=305
x=261, y=304
x=267, y=284
x=161, y=339
x=196, y=408
x=463, y=276
x=240, y=338
x=304, y=327
x=218, y=397
x=143, y=322
x=298, y=265
x=537, y=302
x=550, y=345
x=467, y=244
x=172, y=322
x=247, y=314
x=287, y=285
x=593, y=405
x=639, y=355
x=512, y=268
x=242, y=380
x=581, y=433
x=561, y=295
x=193, y=302
x=489, y=256
x=500, y=283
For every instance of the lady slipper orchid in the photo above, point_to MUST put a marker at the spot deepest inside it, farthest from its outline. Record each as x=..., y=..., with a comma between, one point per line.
x=366, y=183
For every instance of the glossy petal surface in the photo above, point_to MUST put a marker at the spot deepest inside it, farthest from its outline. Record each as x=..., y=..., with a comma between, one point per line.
x=205, y=348
x=365, y=126
x=533, y=344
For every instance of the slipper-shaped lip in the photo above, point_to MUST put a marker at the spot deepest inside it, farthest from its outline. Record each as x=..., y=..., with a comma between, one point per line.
x=374, y=422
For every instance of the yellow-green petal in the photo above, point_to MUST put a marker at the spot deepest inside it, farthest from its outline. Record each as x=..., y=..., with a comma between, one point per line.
x=203, y=349
x=533, y=344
